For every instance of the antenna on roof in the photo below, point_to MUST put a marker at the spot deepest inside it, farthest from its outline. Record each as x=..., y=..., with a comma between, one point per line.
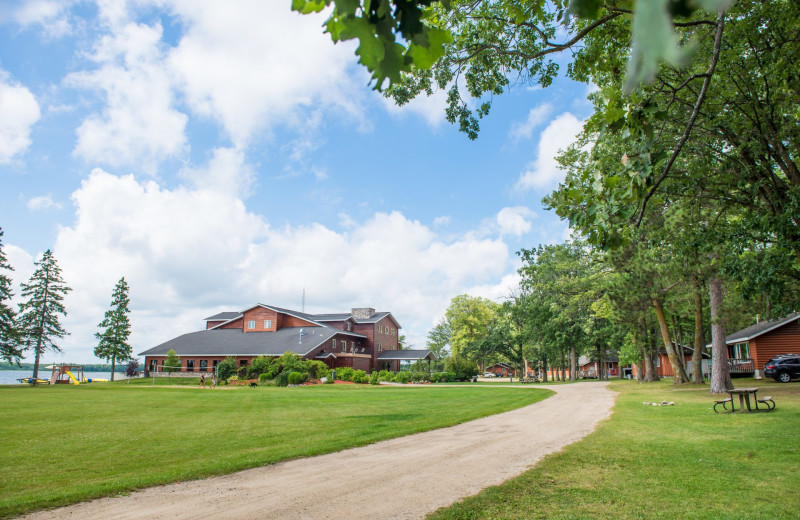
x=303, y=301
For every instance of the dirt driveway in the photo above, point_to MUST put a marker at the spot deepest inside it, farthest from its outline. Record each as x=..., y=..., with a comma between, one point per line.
x=407, y=477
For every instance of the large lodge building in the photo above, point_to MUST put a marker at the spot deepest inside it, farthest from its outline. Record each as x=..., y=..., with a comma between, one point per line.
x=362, y=339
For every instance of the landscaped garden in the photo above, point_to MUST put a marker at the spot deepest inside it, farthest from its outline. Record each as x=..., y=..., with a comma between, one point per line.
x=681, y=461
x=64, y=444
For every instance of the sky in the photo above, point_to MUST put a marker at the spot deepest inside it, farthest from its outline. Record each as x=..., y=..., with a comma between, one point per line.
x=223, y=154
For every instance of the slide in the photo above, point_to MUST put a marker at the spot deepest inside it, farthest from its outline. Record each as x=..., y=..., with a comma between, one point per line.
x=72, y=378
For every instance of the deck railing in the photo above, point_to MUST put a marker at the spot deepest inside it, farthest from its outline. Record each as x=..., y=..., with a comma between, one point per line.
x=741, y=366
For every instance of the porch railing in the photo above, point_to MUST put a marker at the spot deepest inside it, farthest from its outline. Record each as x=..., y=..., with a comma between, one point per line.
x=741, y=366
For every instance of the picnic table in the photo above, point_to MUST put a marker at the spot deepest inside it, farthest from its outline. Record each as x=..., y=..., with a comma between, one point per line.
x=744, y=400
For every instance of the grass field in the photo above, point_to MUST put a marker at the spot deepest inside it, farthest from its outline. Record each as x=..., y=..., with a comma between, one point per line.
x=65, y=444
x=647, y=462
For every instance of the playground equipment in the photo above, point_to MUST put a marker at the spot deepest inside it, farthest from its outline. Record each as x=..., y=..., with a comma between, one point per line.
x=62, y=373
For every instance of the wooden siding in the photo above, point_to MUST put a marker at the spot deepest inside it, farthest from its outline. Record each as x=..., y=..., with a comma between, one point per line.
x=783, y=340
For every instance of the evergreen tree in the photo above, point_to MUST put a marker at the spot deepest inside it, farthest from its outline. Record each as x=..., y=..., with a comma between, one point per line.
x=38, y=315
x=116, y=327
x=9, y=336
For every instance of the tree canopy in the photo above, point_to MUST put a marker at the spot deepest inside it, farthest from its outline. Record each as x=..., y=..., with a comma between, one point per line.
x=38, y=320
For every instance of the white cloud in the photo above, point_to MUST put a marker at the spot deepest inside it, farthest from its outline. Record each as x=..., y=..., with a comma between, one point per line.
x=189, y=253
x=536, y=117
x=43, y=203
x=544, y=173
x=226, y=172
x=19, y=111
x=260, y=65
x=138, y=125
x=441, y=221
x=430, y=108
x=50, y=15
x=514, y=220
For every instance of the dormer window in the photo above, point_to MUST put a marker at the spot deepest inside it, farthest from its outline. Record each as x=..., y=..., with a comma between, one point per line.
x=348, y=325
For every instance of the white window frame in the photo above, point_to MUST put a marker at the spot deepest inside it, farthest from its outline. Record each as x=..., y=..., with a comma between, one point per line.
x=333, y=343
x=251, y=324
x=267, y=324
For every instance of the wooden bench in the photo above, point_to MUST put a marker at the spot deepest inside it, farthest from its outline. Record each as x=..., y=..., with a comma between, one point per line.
x=766, y=401
x=724, y=403
x=530, y=380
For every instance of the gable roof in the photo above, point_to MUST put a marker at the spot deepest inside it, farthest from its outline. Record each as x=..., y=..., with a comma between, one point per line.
x=234, y=342
x=224, y=316
x=406, y=355
x=753, y=331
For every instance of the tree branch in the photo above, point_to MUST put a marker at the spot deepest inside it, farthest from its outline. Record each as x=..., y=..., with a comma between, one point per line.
x=688, y=130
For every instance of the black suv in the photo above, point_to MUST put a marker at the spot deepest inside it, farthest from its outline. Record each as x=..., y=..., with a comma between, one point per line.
x=783, y=368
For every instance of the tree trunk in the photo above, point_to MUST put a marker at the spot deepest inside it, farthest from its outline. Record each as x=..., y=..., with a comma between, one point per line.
x=720, y=372
x=573, y=363
x=699, y=348
x=113, y=362
x=36, y=361
x=677, y=368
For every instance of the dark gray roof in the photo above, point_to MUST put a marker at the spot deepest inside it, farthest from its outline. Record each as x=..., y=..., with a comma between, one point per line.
x=405, y=355
x=334, y=316
x=224, y=316
x=234, y=342
x=758, y=329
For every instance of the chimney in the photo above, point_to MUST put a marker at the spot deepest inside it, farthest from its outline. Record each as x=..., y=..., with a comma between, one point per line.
x=363, y=313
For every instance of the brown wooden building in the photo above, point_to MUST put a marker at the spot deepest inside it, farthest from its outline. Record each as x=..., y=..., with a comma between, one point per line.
x=749, y=349
x=356, y=339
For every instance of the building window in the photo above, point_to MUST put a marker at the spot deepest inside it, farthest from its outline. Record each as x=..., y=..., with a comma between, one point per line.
x=203, y=365
x=333, y=343
x=352, y=346
x=216, y=362
x=348, y=325
x=741, y=351
x=251, y=324
x=242, y=362
x=190, y=365
x=380, y=347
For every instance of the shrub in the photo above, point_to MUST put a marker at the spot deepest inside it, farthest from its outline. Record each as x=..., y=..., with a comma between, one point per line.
x=260, y=365
x=133, y=368
x=462, y=368
x=264, y=379
x=344, y=374
x=385, y=375
x=402, y=377
x=419, y=377
x=282, y=379
x=226, y=368
x=373, y=379
x=295, y=378
x=359, y=376
x=447, y=377
x=317, y=369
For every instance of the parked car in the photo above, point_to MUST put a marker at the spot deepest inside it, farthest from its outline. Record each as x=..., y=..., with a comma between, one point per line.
x=783, y=368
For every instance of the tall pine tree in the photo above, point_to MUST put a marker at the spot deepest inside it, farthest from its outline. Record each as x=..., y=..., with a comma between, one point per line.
x=9, y=336
x=38, y=315
x=116, y=327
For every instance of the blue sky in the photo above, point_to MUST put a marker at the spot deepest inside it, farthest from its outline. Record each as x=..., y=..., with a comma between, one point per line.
x=222, y=154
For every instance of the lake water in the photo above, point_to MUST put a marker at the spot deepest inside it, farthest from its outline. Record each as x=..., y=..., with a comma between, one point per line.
x=9, y=377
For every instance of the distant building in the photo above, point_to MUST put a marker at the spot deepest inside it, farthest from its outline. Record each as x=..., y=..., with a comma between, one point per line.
x=362, y=339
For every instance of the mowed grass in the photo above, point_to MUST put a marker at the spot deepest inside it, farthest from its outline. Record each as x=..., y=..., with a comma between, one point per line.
x=666, y=462
x=64, y=444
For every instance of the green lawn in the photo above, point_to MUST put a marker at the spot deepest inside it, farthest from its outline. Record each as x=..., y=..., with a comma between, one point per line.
x=681, y=461
x=65, y=444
